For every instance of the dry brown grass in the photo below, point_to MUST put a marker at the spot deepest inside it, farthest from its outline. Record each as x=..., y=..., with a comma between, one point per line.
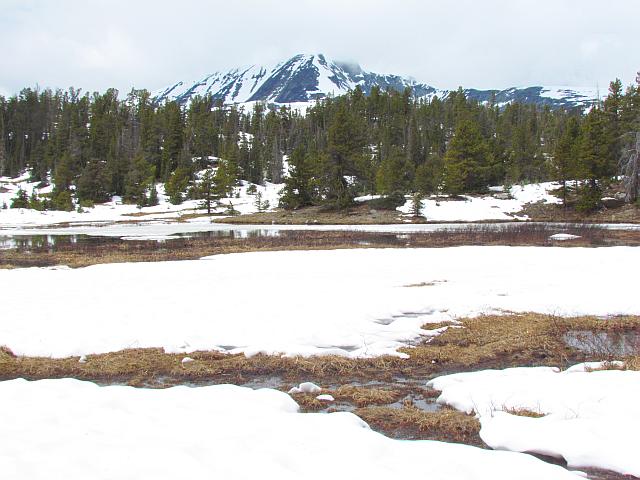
x=524, y=412
x=633, y=363
x=490, y=341
x=365, y=396
x=308, y=402
x=410, y=422
x=360, y=214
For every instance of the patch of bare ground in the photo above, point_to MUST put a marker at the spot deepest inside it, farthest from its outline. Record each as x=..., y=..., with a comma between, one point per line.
x=615, y=213
x=82, y=252
x=557, y=213
x=359, y=214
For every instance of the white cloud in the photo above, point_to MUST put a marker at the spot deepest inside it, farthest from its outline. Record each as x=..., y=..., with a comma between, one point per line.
x=493, y=43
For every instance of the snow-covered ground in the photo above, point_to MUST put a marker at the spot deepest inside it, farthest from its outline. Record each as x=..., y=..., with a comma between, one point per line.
x=346, y=302
x=77, y=430
x=590, y=418
x=438, y=209
x=486, y=207
x=116, y=211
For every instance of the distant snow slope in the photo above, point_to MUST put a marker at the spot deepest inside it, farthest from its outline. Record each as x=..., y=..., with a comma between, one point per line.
x=77, y=430
x=303, y=79
x=590, y=419
x=355, y=303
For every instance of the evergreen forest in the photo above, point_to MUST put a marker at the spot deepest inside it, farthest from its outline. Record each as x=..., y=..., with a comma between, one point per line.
x=92, y=146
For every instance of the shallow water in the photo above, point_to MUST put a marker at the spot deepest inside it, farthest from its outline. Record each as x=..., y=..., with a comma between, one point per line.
x=49, y=238
x=611, y=344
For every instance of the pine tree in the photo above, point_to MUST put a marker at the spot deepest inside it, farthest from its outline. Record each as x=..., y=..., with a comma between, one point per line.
x=93, y=183
x=206, y=189
x=345, y=141
x=593, y=164
x=153, y=195
x=630, y=168
x=416, y=204
x=298, y=189
x=260, y=204
x=138, y=179
x=565, y=157
x=466, y=159
x=21, y=200
x=394, y=173
x=429, y=175
x=3, y=157
x=176, y=185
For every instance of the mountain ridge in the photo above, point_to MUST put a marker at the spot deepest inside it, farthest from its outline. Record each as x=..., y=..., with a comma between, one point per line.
x=305, y=78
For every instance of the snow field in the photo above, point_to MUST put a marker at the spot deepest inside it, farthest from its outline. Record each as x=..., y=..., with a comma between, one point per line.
x=116, y=211
x=79, y=430
x=355, y=303
x=486, y=207
x=590, y=418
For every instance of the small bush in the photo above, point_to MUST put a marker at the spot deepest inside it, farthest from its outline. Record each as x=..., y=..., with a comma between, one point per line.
x=388, y=202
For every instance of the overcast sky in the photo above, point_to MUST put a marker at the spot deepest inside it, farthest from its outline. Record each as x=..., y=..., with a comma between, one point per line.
x=95, y=44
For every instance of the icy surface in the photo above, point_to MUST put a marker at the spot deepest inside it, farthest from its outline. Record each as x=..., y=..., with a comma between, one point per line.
x=355, y=303
x=77, y=430
x=563, y=236
x=590, y=418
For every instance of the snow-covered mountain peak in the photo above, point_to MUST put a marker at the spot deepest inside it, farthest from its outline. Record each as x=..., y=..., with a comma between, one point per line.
x=305, y=78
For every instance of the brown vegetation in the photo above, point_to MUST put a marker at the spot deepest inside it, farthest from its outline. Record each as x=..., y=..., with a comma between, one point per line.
x=490, y=341
x=410, y=422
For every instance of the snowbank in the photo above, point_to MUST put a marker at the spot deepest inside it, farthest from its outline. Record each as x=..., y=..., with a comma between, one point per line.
x=356, y=303
x=471, y=209
x=77, y=430
x=590, y=418
x=116, y=211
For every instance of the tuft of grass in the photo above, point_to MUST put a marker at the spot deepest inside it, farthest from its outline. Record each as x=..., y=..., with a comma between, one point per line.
x=445, y=425
x=365, y=396
x=633, y=363
x=524, y=412
x=308, y=402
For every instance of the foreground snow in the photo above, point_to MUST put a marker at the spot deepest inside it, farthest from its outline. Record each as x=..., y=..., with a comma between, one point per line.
x=488, y=207
x=77, y=430
x=346, y=302
x=591, y=417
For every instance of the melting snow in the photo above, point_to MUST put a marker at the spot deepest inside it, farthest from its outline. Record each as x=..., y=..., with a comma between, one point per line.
x=343, y=302
x=590, y=418
x=79, y=430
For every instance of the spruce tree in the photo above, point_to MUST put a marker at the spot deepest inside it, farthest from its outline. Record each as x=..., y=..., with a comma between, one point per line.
x=93, y=183
x=21, y=200
x=298, y=189
x=138, y=179
x=465, y=163
x=206, y=189
x=593, y=166
x=176, y=185
x=3, y=157
x=565, y=157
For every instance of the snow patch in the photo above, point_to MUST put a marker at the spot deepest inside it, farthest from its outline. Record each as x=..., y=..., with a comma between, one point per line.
x=590, y=418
